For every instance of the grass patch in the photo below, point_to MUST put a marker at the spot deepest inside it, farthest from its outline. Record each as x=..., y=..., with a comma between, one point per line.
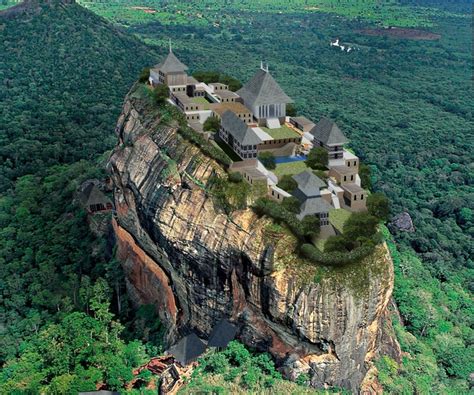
x=338, y=217
x=290, y=168
x=203, y=101
x=283, y=132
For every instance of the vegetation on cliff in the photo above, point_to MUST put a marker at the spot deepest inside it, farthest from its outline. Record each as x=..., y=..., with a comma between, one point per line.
x=64, y=73
x=239, y=371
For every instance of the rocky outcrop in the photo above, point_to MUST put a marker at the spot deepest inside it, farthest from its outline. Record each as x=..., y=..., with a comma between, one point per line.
x=401, y=222
x=197, y=264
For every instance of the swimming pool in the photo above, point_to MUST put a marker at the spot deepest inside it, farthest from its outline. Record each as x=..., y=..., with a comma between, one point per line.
x=287, y=159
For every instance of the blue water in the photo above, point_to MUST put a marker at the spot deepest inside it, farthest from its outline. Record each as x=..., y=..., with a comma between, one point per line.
x=287, y=159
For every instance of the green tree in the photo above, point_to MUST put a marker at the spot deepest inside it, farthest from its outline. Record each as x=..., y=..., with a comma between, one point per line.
x=311, y=226
x=287, y=183
x=378, y=206
x=360, y=225
x=268, y=160
x=317, y=158
x=365, y=176
x=291, y=204
x=160, y=93
x=144, y=75
x=291, y=110
x=212, y=124
x=336, y=243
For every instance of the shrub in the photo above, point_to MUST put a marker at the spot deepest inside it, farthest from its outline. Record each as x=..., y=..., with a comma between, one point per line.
x=287, y=183
x=291, y=110
x=237, y=354
x=365, y=176
x=211, y=124
x=251, y=377
x=216, y=363
x=378, y=206
x=310, y=252
x=268, y=160
x=311, y=226
x=235, y=177
x=229, y=196
x=160, y=94
x=317, y=158
x=336, y=244
x=360, y=225
x=144, y=75
x=302, y=379
x=206, y=147
x=291, y=204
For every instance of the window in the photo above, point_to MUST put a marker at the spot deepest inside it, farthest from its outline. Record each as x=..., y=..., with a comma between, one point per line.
x=349, y=164
x=345, y=178
x=355, y=163
x=273, y=192
x=361, y=197
x=355, y=197
x=352, y=177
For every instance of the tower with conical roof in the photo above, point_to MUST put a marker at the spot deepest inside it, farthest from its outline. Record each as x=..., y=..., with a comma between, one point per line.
x=170, y=71
x=264, y=97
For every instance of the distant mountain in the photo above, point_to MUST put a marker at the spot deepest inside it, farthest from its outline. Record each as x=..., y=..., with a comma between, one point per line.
x=63, y=76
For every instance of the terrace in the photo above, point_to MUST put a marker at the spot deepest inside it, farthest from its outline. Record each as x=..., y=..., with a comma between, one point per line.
x=203, y=101
x=283, y=132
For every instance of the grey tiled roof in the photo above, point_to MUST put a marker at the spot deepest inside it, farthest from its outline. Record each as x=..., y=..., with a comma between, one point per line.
x=314, y=206
x=308, y=184
x=188, y=349
x=171, y=64
x=222, y=334
x=328, y=132
x=239, y=129
x=262, y=89
x=302, y=120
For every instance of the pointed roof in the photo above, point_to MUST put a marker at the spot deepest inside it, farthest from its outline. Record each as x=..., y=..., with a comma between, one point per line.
x=309, y=183
x=223, y=333
x=239, y=129
x=171, y=64
x=93, y=195
x=328, y=132
x=188, y=349
x=262, y=89
x=313, y=206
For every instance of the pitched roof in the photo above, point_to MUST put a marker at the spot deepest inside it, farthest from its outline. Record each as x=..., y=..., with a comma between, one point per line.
x=93, y=195
x=313, y=206
x=188, y=349
x=222, y=334
x=262, y=89
x=302, y=121
x=171, y=64
x=308, y=184
x=239, y=129
x=328, y=132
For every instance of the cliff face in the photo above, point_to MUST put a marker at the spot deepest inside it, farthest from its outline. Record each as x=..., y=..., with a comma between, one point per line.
x=198, y=265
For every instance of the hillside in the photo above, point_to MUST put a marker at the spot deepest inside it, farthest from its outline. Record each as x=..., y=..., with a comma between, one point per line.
x=64, y=74
x=408, y=107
